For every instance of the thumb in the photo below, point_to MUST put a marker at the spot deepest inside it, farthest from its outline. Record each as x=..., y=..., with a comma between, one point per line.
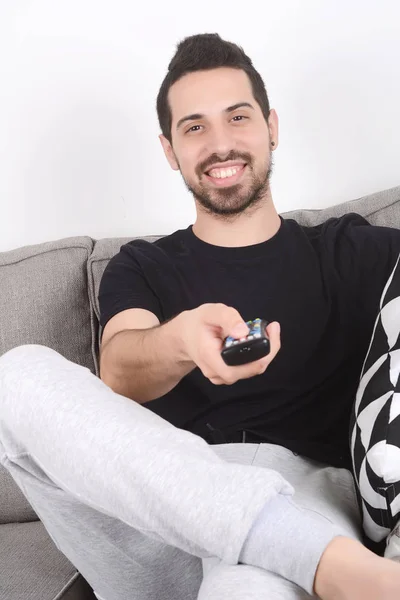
x=239, y=330
x=228, y=319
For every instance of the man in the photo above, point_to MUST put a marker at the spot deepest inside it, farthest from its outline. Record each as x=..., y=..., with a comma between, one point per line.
x=136, y=500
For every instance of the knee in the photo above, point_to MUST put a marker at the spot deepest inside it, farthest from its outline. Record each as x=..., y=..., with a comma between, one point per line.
x=26, y=355
x=246, y=582
x=235, y=582
x=26, y=351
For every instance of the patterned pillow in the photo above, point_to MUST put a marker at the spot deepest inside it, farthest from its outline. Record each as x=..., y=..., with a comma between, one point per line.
x=375, y=423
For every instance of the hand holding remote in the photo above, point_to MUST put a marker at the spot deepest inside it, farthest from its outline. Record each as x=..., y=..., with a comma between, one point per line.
x=248, y=348
x=204, y=330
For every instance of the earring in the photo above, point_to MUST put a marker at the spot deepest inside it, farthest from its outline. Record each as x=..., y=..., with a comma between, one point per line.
x=272, y=143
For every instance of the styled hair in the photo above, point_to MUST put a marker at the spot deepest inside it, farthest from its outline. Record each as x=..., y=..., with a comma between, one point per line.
x=201, y=52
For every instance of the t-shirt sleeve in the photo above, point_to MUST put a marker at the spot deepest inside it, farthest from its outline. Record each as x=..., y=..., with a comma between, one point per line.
x=362, y=255
x=124, y=285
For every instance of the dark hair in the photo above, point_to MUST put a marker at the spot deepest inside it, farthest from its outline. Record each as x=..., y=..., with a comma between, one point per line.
x=203, y=52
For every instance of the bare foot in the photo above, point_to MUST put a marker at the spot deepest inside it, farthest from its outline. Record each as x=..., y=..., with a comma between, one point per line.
x=349, y=571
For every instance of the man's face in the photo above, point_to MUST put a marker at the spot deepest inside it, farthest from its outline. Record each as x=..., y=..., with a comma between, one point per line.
x=220, y=140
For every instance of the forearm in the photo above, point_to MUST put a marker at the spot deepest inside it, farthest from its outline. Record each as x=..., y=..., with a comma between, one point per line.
x=144, y=364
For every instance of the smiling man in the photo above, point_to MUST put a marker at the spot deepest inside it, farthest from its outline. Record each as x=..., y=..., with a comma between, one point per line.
x=223, y=151
x=240, y=260
x=239, y=131
x=176, y=476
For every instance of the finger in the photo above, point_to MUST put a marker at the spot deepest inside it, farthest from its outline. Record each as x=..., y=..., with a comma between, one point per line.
x=231, y=374
x=228, y=319
x=217, y=381
x=273, y=331
x=212, y=370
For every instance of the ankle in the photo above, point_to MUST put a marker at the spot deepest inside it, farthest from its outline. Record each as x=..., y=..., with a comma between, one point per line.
x=343, y=561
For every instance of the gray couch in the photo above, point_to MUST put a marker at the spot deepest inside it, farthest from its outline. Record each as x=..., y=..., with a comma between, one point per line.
x=49, y=296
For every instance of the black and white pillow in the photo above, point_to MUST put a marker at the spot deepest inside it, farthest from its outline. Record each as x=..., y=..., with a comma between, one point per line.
x=375, y=426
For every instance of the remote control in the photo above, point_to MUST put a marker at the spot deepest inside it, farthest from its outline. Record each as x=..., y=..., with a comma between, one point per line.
x=249, y=348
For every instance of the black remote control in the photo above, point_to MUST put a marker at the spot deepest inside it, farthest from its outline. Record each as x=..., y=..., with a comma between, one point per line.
x=249, y=348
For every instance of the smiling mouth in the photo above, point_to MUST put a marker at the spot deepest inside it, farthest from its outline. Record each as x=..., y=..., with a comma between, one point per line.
x=225, y=177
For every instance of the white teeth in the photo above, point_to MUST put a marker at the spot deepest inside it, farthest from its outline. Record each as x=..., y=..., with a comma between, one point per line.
x=222, y=173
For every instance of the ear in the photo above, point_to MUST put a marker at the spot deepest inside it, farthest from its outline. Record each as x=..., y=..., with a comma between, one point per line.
x=273, y=125
x=169, y=153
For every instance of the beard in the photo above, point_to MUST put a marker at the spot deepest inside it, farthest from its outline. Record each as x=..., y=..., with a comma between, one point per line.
x=235, y=199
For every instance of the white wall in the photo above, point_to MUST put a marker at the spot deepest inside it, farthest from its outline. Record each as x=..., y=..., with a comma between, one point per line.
x=79, y=152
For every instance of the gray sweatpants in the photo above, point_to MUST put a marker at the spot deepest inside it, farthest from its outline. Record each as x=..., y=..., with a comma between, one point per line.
x=145, y=510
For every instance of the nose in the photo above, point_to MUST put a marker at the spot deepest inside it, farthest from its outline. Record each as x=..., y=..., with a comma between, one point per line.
x=220, y=141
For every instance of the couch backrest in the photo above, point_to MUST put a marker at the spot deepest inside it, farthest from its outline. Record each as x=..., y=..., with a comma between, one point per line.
x=49, y=296
x=380, y=208
x=44, y=298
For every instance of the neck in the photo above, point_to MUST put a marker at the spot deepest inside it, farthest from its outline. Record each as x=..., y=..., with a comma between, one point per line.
x=240, y=230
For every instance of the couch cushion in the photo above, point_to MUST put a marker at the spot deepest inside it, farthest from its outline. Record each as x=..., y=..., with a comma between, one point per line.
x=14, y=507
x=32, y=567
x=44, y=300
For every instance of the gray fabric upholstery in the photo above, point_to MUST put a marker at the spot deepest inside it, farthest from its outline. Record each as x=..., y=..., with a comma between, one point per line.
x=380, y=208
x=32, y=567
x=44, y=298
x=13, y=505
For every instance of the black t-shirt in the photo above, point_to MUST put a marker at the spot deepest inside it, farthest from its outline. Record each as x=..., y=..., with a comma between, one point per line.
x=323, y=284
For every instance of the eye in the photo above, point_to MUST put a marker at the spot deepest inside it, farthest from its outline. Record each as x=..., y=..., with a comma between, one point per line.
x=192, y=128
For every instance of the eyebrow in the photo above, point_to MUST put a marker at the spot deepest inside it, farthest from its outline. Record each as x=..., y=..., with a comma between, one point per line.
x=196, y=116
